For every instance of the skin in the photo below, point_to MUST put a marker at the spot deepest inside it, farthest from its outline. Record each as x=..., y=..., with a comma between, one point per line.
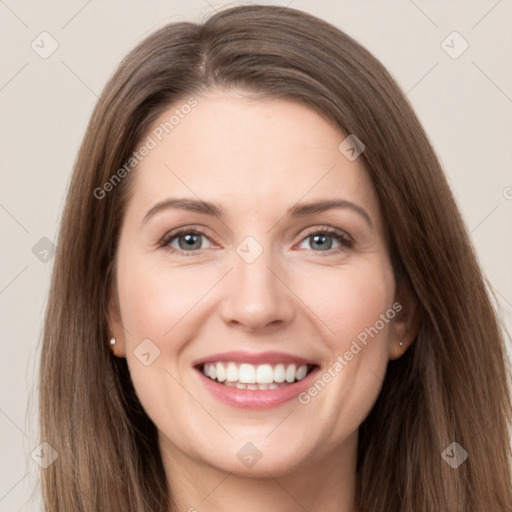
x=256, y=158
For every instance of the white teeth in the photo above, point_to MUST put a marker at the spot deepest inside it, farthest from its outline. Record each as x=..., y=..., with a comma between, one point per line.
x=301, y=372
x=231, y=372
x=264, y=374
x=279, y=373
x=290, y=373
x=249, y=376
x=221, y=372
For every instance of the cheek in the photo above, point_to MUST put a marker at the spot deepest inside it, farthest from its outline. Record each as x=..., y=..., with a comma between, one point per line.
x=350, y=299
x=152, y=303
x=154, y=297
x=158, y=303
x=356, y=314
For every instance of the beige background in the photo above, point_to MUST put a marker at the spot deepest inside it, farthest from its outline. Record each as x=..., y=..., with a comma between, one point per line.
x=465, y=105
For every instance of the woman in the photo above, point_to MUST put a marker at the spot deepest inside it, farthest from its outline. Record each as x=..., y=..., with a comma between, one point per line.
x=264, y=296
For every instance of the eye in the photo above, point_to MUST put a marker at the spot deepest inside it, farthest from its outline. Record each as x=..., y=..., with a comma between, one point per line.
x=185, y=241
x=189, y=242
x=323, y=239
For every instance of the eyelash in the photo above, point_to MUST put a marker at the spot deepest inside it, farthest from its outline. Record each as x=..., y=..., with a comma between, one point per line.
x=345, y=240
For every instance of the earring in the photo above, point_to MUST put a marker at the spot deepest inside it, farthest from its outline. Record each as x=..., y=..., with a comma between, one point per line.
x=112, y=341
x=401, y=343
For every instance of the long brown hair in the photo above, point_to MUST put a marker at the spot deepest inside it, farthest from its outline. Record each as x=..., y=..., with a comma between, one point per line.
x=450, y=386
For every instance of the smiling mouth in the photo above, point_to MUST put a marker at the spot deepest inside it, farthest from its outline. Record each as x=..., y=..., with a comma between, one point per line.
x=261, y=377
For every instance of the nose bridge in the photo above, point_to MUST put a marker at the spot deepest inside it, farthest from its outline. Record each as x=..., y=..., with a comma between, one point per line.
x=252, y=265
x=257, y=297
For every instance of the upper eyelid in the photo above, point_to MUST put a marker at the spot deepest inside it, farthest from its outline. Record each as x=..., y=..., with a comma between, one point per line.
x=173, y=234
x=166, y=239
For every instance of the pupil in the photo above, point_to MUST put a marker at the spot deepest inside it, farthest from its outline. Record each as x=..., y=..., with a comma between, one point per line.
x=320, y=239
x=190, y=241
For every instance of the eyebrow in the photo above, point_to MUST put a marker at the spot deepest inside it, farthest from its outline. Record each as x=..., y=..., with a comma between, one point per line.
x=298, y=210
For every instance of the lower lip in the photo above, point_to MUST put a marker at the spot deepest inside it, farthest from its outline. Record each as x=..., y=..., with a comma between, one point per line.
x=252, y=399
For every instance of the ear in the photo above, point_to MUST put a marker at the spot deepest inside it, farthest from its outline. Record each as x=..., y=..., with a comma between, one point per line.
x=115, y=325
x=405, y=325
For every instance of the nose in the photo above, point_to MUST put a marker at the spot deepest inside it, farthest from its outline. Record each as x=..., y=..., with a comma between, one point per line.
x=257, y=297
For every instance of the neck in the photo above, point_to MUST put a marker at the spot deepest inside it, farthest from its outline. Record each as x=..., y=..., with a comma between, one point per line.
x=324, y=483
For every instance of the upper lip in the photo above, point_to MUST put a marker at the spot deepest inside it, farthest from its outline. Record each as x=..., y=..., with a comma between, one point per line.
x=253, y=358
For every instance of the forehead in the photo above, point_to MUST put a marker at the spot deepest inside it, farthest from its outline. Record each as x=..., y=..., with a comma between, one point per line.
x=255, y=154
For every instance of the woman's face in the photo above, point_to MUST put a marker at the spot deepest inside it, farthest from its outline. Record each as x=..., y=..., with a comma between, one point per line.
x=224, y=260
